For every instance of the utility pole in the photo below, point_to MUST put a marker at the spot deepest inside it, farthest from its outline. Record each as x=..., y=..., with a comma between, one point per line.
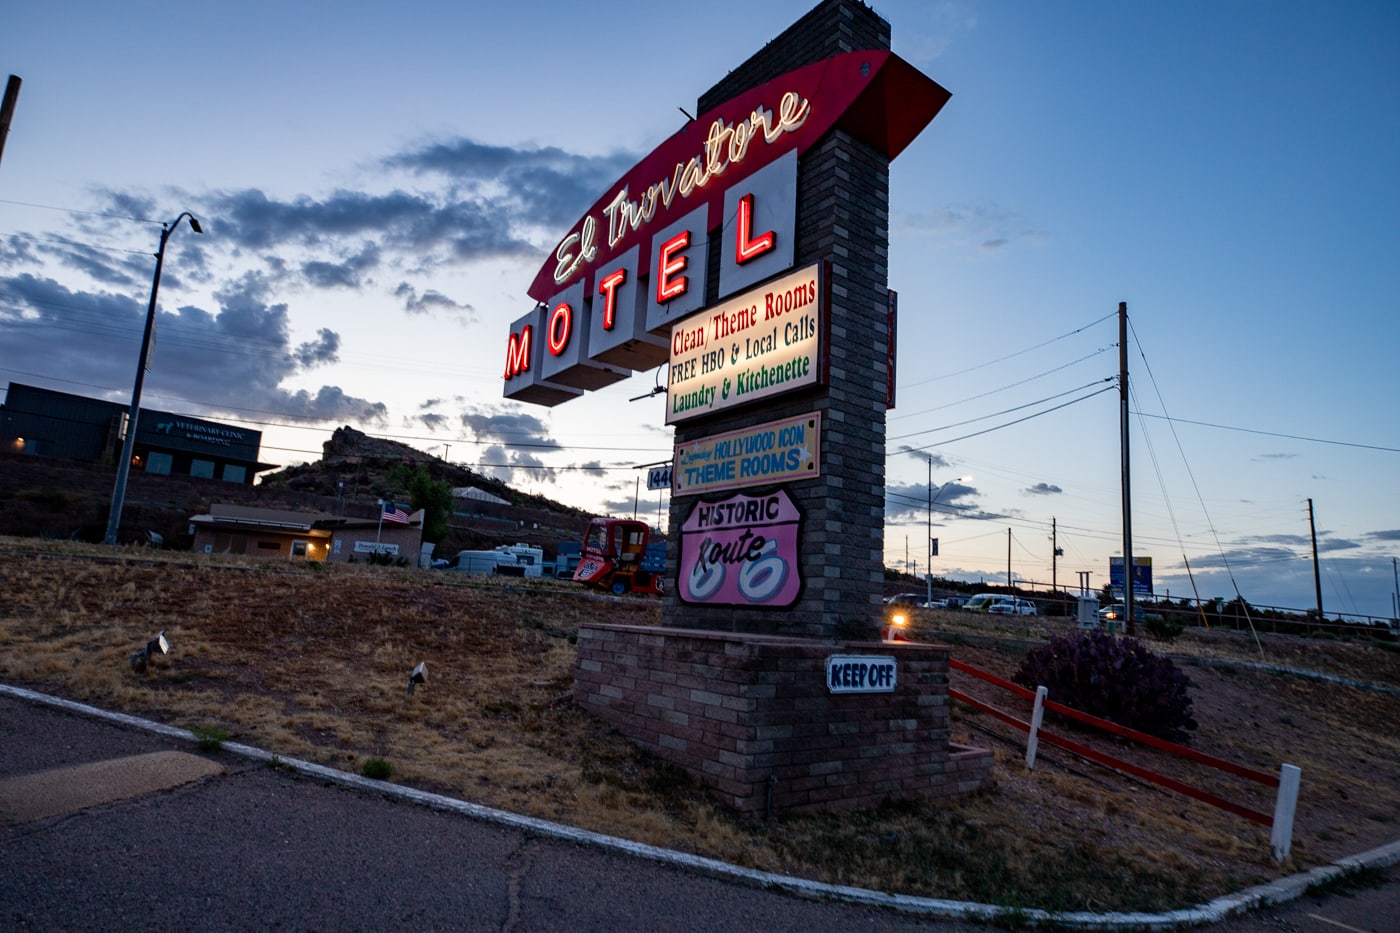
x=1054, y=556
x=7, y=109
x=1008, y=560
x=1317, y=576
x=1123, y=444
x=928, y=537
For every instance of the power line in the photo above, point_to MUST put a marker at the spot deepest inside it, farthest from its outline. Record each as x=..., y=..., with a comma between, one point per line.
x=1291, y=437
x=1005, y=411
x=952, y=440
x=74, y=210
x=1010, y=356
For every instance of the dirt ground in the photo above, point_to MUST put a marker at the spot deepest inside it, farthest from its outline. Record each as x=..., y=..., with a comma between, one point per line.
x=313, y=662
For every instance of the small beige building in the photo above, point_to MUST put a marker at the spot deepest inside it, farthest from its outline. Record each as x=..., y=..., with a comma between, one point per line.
x=289, y=535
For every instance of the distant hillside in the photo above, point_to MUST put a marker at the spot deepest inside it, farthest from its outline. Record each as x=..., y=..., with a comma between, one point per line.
x=60, y=499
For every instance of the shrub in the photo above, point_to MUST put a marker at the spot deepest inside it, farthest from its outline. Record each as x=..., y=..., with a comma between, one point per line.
x=1163, y=627
x=1114, y=679
x=377, y=769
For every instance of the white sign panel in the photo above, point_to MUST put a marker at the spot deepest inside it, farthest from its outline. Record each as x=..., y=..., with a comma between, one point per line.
x=375, y=547
x=659, y=477
x=860, y=673
x=756, y=345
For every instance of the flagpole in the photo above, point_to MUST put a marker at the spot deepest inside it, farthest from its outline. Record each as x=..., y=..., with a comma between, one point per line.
x=381, y=524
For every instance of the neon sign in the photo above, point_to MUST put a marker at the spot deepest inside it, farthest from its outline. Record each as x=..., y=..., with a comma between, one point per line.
x=724, y=187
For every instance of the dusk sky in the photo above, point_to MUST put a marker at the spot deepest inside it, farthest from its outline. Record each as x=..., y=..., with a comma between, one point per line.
x=378, y=185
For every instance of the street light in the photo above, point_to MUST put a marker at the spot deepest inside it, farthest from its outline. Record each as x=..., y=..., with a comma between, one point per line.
x=114, y=517
x=928, y=576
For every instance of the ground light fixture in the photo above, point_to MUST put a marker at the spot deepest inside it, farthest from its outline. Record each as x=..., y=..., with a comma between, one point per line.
x=898, y=629
x=154, y=646
x=419, y=676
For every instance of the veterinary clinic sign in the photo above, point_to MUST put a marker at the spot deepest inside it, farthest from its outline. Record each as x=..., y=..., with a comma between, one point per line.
x=762, y=343
x=776, y=452
x=741, y=551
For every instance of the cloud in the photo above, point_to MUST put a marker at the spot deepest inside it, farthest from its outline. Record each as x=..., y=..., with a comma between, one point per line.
x=347, y=274
x=511, y=427
x=1044, y=489
x=72, y=309
x=986, y=225
x=516, y=436
x=434, y=421
x=1392, y=534
x=506, y=464
x=324, y=350
x=911, y=501
x=548, y=186
x=231, y=362
x=432, y=301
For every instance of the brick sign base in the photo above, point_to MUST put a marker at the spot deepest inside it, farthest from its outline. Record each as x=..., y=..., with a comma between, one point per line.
x=751, y=717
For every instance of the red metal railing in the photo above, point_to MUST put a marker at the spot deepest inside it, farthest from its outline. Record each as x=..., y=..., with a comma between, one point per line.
x=1083, y=751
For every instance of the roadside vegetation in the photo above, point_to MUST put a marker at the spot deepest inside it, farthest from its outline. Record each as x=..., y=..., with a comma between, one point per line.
x=314, y=664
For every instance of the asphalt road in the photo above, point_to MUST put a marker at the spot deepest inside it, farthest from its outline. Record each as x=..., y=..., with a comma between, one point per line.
x=107, y=826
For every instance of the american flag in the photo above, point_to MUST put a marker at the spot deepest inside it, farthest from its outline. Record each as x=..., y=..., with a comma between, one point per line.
x=392, y=513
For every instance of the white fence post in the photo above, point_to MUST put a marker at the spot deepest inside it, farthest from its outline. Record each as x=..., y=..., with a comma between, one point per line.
x=1037, y=715
x=1281, y=838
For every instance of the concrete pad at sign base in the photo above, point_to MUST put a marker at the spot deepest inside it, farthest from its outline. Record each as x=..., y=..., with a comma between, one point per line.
x=65, y=790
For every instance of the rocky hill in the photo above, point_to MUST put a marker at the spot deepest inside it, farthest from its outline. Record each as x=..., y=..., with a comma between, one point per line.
x=61, y=499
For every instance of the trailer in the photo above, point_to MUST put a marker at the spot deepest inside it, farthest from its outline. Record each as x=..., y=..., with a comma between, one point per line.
x=513, y=560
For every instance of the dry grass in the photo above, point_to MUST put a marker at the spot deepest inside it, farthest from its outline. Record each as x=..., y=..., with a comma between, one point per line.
x=313, y=663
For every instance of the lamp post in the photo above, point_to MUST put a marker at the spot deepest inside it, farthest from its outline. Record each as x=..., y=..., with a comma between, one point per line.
x=928, y=577
x=114, y=517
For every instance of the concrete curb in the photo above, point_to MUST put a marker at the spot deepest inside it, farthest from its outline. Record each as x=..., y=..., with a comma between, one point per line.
x=1275, y=892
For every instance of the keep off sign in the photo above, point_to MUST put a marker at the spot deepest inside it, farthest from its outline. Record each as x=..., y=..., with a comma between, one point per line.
x=859, y=673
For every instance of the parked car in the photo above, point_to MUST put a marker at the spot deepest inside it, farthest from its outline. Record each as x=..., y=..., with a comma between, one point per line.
x=1119, y=613
x=1011, y=606
x=980, y=602
x=905, y=599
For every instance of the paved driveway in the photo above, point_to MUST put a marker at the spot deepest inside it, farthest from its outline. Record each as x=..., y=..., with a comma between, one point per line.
x=141, y=831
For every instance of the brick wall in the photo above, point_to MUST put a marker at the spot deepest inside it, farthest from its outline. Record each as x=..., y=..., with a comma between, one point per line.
x=750, y=716
x=843, y=218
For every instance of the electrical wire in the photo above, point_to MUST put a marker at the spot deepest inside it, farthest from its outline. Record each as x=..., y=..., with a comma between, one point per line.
x=1010, y=356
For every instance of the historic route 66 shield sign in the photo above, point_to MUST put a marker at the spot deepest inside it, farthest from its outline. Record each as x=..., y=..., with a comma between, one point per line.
x=741, y=551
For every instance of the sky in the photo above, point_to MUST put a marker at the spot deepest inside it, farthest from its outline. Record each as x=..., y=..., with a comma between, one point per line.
x=378, y=186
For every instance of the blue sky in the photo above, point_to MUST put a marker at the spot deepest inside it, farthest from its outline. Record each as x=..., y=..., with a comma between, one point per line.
x=379, y=185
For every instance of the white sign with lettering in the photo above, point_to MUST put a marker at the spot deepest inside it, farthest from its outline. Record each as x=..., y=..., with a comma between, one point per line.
x=860, y=673
x=761, y=343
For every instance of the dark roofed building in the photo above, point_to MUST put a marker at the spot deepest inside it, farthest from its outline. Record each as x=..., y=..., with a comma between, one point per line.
x=53, y=424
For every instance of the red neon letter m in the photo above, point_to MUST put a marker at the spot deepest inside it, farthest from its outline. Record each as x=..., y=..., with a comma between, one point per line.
x=518, y=353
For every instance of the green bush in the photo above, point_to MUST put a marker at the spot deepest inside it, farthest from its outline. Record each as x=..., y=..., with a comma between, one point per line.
x=377, y=769
x=1163, y=627
x=1114, y=679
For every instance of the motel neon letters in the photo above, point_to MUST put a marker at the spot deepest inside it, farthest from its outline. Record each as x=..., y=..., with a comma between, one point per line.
x=723, y=188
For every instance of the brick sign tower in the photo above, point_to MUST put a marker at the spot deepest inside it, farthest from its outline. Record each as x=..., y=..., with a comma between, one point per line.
x=749, y=252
